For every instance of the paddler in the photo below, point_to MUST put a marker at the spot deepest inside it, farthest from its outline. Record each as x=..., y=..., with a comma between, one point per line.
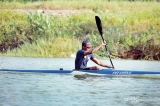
x=86, y=54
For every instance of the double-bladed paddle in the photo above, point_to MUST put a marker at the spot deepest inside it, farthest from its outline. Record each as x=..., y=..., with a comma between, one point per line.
x=99, y=26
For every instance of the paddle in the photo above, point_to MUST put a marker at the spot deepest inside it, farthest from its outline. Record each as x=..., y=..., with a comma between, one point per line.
x=99, y=26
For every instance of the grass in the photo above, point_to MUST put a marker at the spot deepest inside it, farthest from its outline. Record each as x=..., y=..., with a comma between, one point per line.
x=113, y=6
x=53, y=47
x=126, y=26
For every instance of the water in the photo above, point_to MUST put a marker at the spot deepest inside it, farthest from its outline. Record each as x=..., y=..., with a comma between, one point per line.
x=42, y=89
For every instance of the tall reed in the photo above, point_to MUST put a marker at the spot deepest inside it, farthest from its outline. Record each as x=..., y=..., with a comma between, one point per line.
x=53, y=47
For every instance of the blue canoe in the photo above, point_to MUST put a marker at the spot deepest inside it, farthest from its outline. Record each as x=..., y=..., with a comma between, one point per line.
x=37, y=71
x=101, y=72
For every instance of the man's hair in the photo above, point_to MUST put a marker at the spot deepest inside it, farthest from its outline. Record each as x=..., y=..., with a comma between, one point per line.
x=85, y=42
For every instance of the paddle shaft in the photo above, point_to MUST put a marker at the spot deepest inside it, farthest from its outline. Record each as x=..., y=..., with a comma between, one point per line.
x=108, y=52
x=99, y=25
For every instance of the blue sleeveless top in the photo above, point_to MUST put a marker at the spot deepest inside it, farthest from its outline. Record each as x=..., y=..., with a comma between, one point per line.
x=81, y=60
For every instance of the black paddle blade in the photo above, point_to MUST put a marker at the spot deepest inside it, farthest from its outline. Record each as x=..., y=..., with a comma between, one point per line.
x=99, y=24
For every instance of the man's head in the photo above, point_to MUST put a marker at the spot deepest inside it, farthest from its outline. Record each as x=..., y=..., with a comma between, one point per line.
x=86, y=44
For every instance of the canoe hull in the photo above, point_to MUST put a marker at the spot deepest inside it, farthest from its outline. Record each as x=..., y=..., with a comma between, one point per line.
x=100, y=72
x=37, y=71
x=119, y=73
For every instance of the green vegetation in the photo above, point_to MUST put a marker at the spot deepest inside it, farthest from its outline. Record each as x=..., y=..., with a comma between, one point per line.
x=54, y=47
x=131, y=29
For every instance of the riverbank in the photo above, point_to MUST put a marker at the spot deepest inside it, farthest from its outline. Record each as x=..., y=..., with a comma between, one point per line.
x=35, y=29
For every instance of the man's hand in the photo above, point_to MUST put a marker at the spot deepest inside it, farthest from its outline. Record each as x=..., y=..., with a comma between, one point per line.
x=110, y=66
x=103, y=43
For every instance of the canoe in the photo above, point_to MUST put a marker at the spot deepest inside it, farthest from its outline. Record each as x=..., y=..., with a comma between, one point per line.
x=98, y=72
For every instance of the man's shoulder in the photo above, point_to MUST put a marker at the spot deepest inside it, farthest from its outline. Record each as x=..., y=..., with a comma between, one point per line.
x=81, y=51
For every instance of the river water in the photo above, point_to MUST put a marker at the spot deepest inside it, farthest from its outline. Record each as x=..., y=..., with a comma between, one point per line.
x=42, y=89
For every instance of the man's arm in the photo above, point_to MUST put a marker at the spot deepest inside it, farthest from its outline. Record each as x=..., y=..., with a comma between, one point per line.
x=101, y=63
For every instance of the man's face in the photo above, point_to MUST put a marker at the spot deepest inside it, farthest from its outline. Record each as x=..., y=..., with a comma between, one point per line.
x=87, y=47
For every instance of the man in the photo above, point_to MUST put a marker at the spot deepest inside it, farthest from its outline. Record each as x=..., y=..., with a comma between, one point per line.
x=86, y=53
